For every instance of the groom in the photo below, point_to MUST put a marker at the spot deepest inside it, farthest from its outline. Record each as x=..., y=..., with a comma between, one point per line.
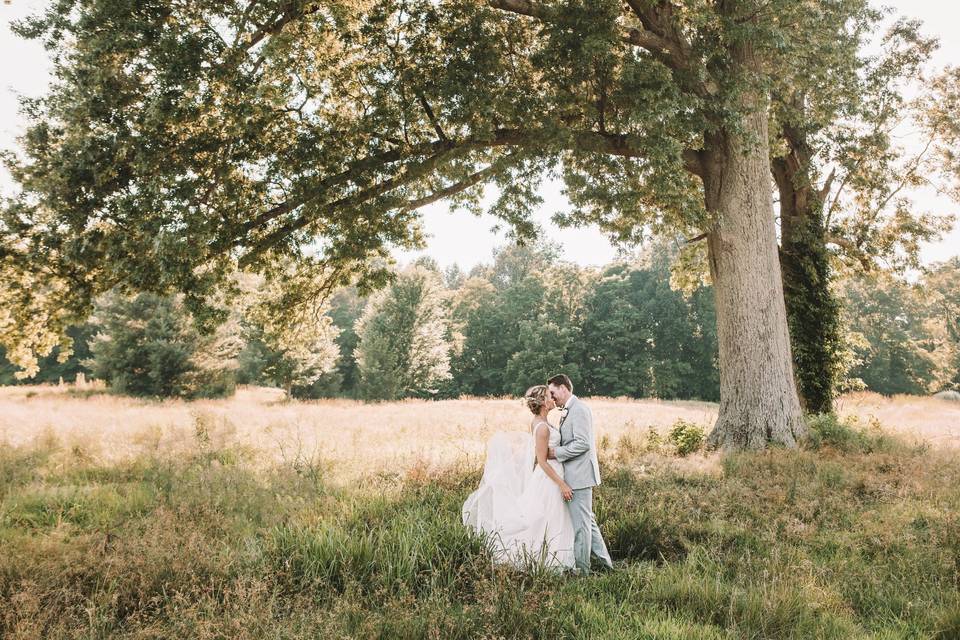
x=578, y=453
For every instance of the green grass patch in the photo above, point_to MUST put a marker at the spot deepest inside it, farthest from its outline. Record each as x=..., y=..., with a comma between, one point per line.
x=855, y=536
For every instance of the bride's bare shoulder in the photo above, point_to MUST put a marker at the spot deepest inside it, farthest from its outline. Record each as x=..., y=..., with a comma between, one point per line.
x=536, y=426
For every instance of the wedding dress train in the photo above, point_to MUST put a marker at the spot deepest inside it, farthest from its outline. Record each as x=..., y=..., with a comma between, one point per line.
x=519, y=507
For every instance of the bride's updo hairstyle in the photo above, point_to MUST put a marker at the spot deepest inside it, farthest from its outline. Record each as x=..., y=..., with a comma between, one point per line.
x=535, y=398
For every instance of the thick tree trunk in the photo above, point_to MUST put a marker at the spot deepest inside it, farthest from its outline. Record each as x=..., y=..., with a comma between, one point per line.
x=758, y=398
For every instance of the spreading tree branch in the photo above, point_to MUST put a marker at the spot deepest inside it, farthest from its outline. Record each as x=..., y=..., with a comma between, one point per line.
x=828, y=184
x=287, y=13
x=662, y=35
x=458, y=187
x=853, y=250
x=411, y=173
x=440, y=152
x=524, y=8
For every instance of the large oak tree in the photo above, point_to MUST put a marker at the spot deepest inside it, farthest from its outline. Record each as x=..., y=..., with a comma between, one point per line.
x=180, y=139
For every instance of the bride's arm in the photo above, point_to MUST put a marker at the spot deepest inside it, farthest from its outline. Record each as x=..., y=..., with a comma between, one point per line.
x=542, y=435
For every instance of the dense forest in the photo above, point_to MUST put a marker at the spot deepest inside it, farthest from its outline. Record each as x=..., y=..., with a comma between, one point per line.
x=620, y=330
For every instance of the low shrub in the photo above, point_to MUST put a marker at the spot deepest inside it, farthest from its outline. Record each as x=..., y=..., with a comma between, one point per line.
x=847, y=435
x=686, y=437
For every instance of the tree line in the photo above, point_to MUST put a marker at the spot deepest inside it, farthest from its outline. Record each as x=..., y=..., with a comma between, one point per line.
x=619, y=330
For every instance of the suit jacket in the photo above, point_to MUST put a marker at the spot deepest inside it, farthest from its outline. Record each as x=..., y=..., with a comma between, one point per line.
x=578, y=446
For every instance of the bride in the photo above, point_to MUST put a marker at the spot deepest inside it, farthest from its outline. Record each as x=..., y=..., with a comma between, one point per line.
x=520, y=504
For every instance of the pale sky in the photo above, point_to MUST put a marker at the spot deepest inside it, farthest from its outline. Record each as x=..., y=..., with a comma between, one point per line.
x=458, y=237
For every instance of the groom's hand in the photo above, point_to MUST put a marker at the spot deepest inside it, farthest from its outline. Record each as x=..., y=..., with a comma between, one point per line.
x=551, y=453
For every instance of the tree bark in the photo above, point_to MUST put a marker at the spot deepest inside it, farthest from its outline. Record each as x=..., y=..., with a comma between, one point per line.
x=759, y=405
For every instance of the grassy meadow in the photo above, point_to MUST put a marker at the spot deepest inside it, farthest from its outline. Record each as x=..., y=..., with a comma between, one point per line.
x=254, y=517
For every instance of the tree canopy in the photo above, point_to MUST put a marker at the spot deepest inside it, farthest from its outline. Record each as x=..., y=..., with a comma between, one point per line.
x=184, y=138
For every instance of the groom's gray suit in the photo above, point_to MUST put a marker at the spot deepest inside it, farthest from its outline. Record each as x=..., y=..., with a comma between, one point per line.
x=581, y=470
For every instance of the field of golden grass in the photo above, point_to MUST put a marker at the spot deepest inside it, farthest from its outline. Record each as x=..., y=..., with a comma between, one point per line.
x=237, y=518
x=354, y=439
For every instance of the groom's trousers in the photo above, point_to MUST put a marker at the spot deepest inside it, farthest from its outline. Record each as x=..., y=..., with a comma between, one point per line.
x=586, y=533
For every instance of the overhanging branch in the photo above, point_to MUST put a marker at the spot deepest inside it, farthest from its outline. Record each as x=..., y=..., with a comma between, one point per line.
x=354, y=172
x=637, y=37
x=663, y=36
x=853, y=250
x=662, y=42
x=411, y=173
x=432, y=118
x=288, y=12
x=524, y=8
x=458, y=187
x=591, y=141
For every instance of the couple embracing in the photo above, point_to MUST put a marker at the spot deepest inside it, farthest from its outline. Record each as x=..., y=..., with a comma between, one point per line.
x=535, y=501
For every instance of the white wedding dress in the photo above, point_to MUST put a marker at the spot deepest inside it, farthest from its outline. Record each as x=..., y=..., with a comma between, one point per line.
x=519, y=507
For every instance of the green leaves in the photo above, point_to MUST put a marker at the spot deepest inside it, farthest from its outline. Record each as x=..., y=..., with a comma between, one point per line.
x=403, y=346
x=185, y=137
x=296, y=337
x=894, y=350
x=147, y=346
x=517, y=320
x=641, y=339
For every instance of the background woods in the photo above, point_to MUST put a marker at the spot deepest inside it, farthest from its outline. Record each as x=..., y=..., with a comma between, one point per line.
x=619, y=331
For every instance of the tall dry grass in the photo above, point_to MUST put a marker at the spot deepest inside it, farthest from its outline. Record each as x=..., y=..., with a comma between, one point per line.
x=352, y=437
x=356, y=439
x=926, y=418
